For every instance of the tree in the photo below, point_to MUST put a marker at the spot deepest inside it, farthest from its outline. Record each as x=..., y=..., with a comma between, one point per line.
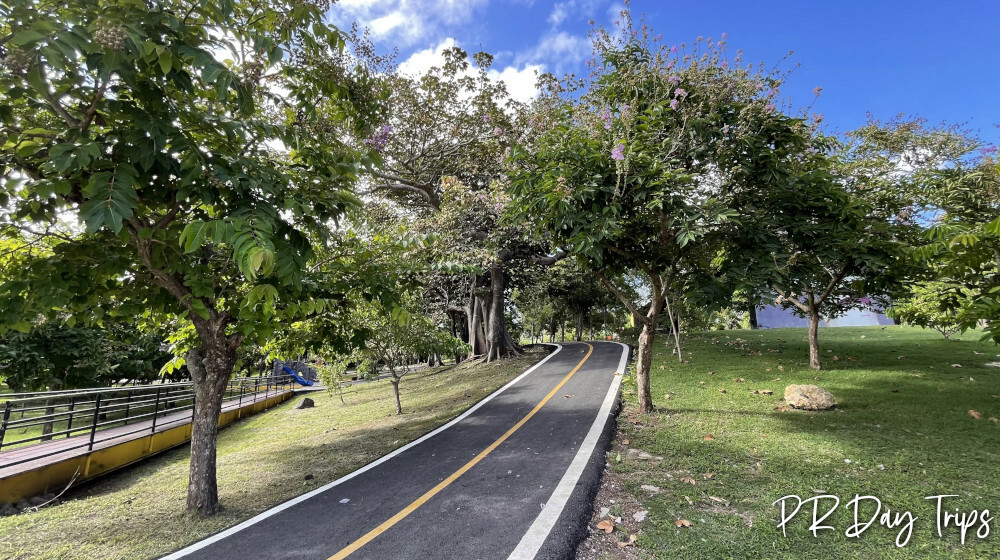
x=939, y=185
x=634, y=177
x=396, y=338
x=935, y=305
x=203, y=185
x=442, y=150
x=963, y=245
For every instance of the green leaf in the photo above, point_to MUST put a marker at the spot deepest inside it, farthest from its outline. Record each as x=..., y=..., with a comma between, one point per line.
x=27, y=37
x=166, y=60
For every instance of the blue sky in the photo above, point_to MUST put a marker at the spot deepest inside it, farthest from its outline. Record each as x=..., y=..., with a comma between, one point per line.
x=936, y=59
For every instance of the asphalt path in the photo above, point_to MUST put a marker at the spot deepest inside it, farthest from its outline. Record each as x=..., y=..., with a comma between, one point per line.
x=512, y=478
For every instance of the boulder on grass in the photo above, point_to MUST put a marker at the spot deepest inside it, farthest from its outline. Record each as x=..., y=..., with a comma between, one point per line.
x=305, y=403
x=809, y=397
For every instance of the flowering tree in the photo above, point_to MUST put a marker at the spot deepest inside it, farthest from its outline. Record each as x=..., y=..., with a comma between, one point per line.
x=441, y=152
x=118, y=117
x=635, y=175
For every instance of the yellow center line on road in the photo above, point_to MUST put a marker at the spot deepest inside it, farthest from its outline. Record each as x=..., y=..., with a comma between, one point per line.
x=351, y=548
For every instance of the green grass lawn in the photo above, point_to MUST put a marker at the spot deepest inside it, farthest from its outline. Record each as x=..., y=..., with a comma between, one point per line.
x=263, y=460
x=902, y=431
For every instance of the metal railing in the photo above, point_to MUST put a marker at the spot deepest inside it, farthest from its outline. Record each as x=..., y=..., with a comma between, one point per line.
x=87, y=413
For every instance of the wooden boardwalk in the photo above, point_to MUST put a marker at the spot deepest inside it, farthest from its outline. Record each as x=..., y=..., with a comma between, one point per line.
x=16, y=464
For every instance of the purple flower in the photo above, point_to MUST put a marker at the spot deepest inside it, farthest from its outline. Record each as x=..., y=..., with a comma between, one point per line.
x=680, y=93
x=673, y=80
x=865, y=300
x=606, y=117
x=486, y=118
x=658, y=37
x=988, y=150
x=770, y=107
x=673, y=48
x=673, y=104
x=497, y=131
x=618, y=153
x=725, y=129
x=379, y=139
x=725, y=64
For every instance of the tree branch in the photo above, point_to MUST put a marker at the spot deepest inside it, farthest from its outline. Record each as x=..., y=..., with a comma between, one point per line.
x=551, y=260
x=621, y=297
x=832, y=284
x=794, y=301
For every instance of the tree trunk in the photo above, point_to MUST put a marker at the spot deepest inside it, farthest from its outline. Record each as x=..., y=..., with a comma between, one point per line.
x=814, y=338
x=562, y=331
x=499, y=343
x=579, y=326
x=395, y=392
x=643, y=362
x=210, y=369
x=753, y=316
x=674, y=328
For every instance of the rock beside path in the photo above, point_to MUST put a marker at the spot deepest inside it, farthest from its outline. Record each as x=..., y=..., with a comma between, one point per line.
x=305, y=403
x=809, y=397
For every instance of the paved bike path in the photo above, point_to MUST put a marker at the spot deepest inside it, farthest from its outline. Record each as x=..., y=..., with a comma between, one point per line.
x=501, y=481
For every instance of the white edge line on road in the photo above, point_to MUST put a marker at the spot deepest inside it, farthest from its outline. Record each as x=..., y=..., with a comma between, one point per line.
x=283, y=506
x=532, y=541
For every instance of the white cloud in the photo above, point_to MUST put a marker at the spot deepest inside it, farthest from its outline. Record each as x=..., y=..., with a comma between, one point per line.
x=520, y=80
x=421, y=61
x=383, y=25
x=559, y=49
x=558, y=14
x=405, y=23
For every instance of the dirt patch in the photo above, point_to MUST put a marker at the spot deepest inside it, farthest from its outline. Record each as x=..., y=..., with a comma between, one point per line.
x=619, y=508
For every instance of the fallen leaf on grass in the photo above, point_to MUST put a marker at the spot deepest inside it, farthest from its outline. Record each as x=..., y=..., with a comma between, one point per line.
x=709, y=437
x=625, y=442
x=852, y=359
x=663, y=367
x=631, y=539
x=975, y=414
x=996, y=396
x=900, y=357
x=956, y=365
x=689, y=480
x=739, y=380
x=762, y=392
x=708, y=475
x=723, y=391
x=718, y=500
x=667, y=396
x=606, y=526
x=682, y=523
x=781, y=408
x=711, y=373
x=836, y=359
x=994, y=419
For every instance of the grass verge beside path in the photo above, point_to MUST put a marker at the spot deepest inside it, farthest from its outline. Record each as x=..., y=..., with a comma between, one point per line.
x=902, y=431
x=263, y=460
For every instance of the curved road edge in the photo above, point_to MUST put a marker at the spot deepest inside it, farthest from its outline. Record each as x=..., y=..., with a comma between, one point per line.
x=548, y=537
